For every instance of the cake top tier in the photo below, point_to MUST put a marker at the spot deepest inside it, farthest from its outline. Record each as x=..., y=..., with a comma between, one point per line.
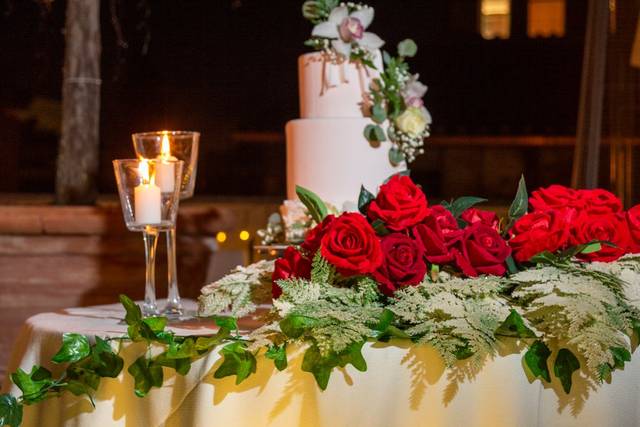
x=333, y=87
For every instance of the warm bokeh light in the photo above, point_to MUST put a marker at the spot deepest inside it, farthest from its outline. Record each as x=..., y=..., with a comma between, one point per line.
x=165, y=148
x=244, y=235
x=221, y=236
x=143, y=170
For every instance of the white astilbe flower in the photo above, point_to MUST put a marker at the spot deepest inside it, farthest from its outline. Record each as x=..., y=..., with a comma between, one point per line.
x=346, y=29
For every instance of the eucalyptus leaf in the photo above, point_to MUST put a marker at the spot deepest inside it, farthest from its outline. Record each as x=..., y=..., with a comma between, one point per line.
x=316, y=207
x=378, y=114
x=74, y=348
x=407, y=48
x=10, y=411
x=396, y=157
x=374, y=133
x=536, y=360
x=566, y=364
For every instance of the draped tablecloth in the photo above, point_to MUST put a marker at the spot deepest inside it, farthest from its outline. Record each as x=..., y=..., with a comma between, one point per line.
x=405, y=385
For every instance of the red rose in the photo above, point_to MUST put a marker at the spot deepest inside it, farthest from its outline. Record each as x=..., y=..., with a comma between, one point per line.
x=540, y=231
x=292, y=264
x=633, y=222
x=312, y=241
x=473, y=215
x=600, y=202
x=403, y=263
x=481, y=251
x=400, y=204
x=611, y=228
x=351, y=245
x=437, y=234
x=555, y=197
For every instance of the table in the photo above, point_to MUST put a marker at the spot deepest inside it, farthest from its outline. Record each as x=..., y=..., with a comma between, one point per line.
x=405, y=385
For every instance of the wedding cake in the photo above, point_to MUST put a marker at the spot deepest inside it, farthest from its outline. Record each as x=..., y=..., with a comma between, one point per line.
x=326, y=148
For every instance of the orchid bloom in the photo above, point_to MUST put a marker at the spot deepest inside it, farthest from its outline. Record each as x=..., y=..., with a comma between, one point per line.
x=345, y=29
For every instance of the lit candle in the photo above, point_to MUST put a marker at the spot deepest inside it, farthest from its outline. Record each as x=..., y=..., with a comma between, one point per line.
x=147, y=198
x=165, y=170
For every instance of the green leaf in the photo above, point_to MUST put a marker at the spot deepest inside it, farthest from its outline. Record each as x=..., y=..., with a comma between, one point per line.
x=10, y=411
x=536, y=360
x=181, y=366
x=512, y=267
x=353, y=355
x=384, y=329
x=380, y=228
x=204, y=344
x=545, y=257
x=378, y=114
x=238, y=361
x=279, y=356
x=407, y=48
x=396, y=157
x=461, y=204
x=386, y=57
x=184, y=350
x=590, y=248
x=405, y=172
x=78, y=388
x=513, y=326
x=157, y=324
x=146, y=375
x=364, y=200
x=620, y=356
x=227, y=322
x=34, y=385
x=566, y=364
x=520, y=204
x=134, y=314
x=316, y=207
x=374, y=133
x=318, y=365
x=464, y=352
x=74, y=347
x=105, y=362
x=294, y=325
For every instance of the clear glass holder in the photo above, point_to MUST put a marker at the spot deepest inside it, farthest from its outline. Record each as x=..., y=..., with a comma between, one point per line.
x=173, y=308
x=150, y=306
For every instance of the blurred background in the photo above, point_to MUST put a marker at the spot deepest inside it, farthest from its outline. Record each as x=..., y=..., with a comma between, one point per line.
x=544, y=88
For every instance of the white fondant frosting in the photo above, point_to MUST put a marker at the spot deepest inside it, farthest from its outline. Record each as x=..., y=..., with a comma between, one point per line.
x=330, y=88
x=332, y=158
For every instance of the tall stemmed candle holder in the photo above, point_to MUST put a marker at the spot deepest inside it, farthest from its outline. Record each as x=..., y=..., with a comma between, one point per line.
x=165, y=146
x=149, y=206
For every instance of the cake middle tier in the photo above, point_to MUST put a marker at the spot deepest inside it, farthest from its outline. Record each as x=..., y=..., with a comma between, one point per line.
x=332, y=158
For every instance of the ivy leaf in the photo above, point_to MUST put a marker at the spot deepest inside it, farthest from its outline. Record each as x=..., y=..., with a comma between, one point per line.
x=620, y=356
x=364, y=200
x=238, y=361
x=133, y=312
x=183, y=350
x=204, y=344
x=181, y=366
x=105, y=362
x=380, y=228
x=316, y=207
x=10, y=411
x=461, y=204
x=464, y=352
x=407, y=48
x=395, y=156
x=520, y=204
x=378, y=114
x=353, y=355
x=320, y=366
x=374, y=133
x=227, y=322
x=294, y=325
x=279, y=356
x=34, y=385
x=566, y=364
x=536, y=360
x=78, y=388
x=384, y=329
x=146, y=375
x=75, y=347
x=156, y=324
x=513, y=326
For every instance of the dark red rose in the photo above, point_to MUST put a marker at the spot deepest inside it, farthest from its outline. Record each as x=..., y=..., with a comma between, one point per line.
x=555, y=197
x=312, y=241
x=400, y=204
x=600, y=202
x=292, y=264
x=437, y=234
x=403, y=263
x=351, y=245
x=481, y=251
x=539, y=231
x=633, y=222
x=474, y=215
x=611, y=228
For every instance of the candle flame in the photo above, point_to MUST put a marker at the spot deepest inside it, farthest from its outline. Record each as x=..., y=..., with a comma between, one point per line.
x=165, y=148
x=145, y=176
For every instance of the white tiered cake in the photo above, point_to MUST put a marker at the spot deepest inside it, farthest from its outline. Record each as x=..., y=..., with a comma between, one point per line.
x=326, y=148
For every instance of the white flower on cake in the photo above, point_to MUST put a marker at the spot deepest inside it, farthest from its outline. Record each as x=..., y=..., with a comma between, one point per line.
x=412, y=121
x=348, y=29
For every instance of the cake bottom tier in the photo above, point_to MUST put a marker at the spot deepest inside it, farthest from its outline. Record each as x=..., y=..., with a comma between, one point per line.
x=332, y=158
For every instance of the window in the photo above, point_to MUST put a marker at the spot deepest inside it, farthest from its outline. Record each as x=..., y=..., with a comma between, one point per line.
x=546, y=18
x=495, y=19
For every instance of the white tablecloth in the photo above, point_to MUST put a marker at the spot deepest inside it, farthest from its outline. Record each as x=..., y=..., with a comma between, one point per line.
x=404, y=386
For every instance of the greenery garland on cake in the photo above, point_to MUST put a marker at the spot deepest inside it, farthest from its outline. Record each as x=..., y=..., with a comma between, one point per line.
x=562, y=280
x=397, y=107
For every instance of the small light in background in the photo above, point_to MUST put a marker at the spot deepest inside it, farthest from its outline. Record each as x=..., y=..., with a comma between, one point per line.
x=244, y=235
x=221, y=236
